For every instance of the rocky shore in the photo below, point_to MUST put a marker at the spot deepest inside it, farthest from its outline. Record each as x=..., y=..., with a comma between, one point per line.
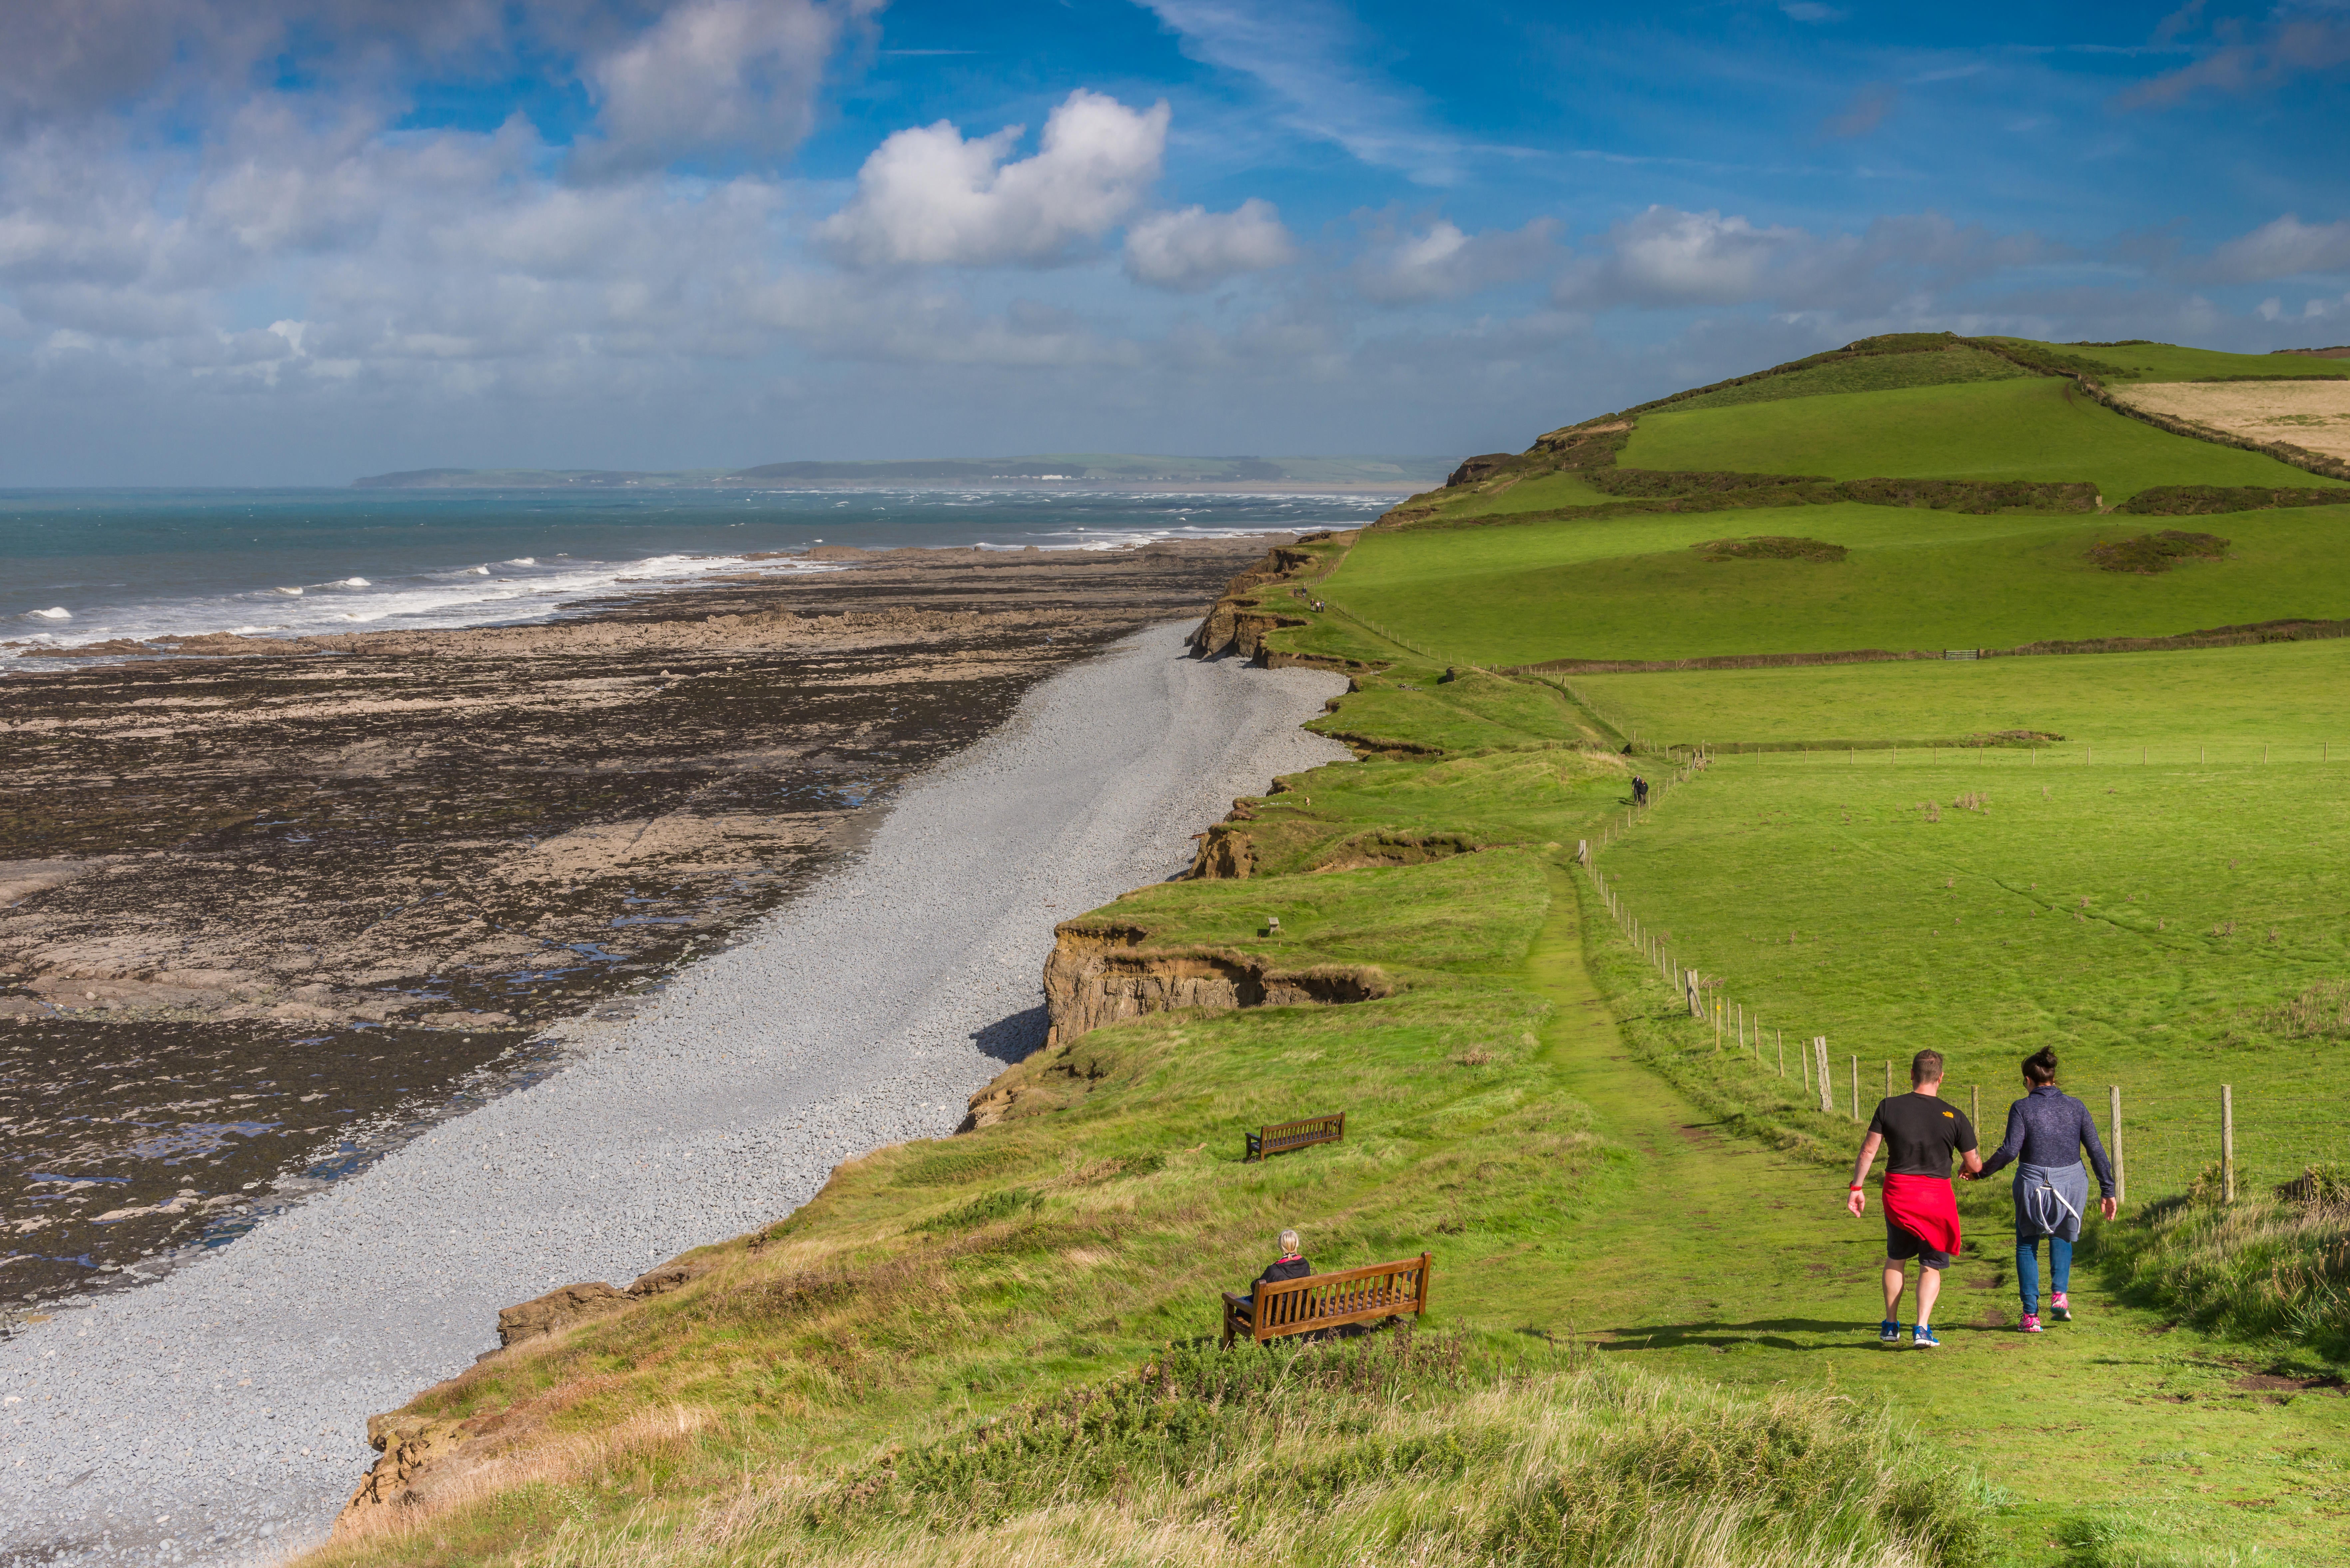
x=267, y=907
x=220, y=1415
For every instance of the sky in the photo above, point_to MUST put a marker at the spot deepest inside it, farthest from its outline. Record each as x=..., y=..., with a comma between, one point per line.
x=289, y=241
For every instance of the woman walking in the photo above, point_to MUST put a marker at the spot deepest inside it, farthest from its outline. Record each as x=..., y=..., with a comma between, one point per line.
x=2047, y=1131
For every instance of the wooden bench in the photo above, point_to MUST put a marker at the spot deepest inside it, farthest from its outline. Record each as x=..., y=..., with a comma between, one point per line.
x=1282, y=1136
x=1327, y=1301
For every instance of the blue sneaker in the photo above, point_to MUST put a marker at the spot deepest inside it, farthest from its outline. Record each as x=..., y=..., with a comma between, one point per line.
x=1888, y=1332
x=1922, y=1339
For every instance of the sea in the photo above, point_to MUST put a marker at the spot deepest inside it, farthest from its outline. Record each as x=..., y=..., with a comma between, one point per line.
x=86, y=566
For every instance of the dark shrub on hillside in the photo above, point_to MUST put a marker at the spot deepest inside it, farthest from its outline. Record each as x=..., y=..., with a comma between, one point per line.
x=2151, y=552
x=1972, y=495
x=2204, y=500
x=1651, y=482
x=1586, y=447
x=1770, y=547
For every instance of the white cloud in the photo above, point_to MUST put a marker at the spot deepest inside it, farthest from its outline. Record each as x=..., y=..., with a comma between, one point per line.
x=2284, y=248
x=1666, y=256
x=1444, y=262
x=928, y=197
x=1666, y=259
x=1194, y=249
x=718, y=76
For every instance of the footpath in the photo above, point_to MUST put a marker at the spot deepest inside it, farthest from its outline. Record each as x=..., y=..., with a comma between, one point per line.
x=1704, y=1254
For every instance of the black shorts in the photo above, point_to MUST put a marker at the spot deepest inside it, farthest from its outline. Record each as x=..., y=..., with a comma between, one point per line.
x=1902, y=1244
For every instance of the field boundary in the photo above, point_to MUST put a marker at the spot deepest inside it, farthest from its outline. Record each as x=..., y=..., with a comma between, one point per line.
x=2203, y=1152
x=2251, y=635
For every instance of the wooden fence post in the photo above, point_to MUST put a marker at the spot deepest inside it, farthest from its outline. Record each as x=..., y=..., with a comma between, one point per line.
x=1977, y=1116
x=1803, y=1060
x=1855, y=1081
x=1888, y=1077
x=1828, y=1090
x=1781, y=1036
x=2226, y=1143
x=1696, y=996
x=2114, y=1129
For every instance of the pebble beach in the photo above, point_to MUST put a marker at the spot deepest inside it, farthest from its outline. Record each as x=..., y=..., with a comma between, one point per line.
x=219, y=1416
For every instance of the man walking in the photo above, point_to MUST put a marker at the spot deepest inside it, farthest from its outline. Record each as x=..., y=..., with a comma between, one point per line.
x=1921, y=1212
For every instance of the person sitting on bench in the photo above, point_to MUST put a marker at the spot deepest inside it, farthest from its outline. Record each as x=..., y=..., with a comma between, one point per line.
x=1290, y=1266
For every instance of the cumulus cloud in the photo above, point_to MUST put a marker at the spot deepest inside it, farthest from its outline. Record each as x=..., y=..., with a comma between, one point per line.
x=928, y=197
x=1443, y=261
x=2284, y=247
x=1194, y=249
x=1667, y=257
x=718, y=76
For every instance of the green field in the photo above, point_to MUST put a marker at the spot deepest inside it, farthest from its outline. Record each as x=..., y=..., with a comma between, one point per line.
x=2039, y=429
x=2174, y=362
x=2232, y=701
x=1870, y=373
x=2045, y=918
x=1593, y=588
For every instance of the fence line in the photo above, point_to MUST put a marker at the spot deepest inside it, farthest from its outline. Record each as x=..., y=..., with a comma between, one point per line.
x=2178, y=1140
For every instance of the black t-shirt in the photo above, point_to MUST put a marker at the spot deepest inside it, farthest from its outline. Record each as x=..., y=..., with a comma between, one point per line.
x=1921, y=1132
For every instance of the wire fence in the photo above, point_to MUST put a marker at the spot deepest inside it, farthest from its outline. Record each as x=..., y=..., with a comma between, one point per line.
x=2169, y=1138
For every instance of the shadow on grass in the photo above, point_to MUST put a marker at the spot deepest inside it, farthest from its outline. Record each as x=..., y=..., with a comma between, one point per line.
x=1769, y=1333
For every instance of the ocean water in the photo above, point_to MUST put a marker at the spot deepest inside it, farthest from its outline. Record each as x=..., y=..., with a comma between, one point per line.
x=84, y=567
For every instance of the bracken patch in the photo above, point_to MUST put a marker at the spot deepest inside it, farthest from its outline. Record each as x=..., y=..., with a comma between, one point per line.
x=1770, y=547
x=2151, y=552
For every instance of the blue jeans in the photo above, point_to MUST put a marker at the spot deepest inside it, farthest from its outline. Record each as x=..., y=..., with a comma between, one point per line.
x=2027, y=1269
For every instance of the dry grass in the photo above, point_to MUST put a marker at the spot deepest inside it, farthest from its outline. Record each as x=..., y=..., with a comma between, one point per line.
x=2322, y=1012
x=1584, y=1467
x=2314, y=414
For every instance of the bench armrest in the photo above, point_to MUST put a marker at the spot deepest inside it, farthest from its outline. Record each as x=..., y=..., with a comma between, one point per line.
x=1245, y=1303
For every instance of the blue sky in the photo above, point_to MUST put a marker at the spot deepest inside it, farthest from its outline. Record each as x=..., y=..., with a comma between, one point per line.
x=260, y=240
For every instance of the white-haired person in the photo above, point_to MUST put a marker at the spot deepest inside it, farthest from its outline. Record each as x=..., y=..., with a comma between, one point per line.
x=1290, y=1266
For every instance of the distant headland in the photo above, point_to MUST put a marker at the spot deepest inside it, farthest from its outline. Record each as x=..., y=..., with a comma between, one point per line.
x=1405, y=474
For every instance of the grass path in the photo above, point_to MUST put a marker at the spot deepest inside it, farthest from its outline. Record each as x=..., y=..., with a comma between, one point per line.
x=1709, y=1255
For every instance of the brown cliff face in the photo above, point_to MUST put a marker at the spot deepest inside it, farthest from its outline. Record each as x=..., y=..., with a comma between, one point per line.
x=1238, y=622
x=426, y=1459
x=1103, y=975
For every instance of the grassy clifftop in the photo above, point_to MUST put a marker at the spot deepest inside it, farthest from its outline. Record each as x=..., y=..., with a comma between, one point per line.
x=1652, y=1335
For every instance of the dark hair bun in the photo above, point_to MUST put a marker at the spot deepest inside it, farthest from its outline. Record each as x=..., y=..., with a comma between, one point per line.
x=2041, y=1065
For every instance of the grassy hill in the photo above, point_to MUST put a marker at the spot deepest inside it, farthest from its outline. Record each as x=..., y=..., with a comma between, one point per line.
x=1652, y=1336
x=2031, y=428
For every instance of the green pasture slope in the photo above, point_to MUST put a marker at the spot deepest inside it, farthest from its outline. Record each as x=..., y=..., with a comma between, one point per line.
x=2037, y=428
x=1652, y=1337
x=1545, y=564
x=1633, y=587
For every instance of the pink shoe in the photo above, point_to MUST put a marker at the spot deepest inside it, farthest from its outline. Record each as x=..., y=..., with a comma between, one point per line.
x=2059, y=1308
x=2032, y=1323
